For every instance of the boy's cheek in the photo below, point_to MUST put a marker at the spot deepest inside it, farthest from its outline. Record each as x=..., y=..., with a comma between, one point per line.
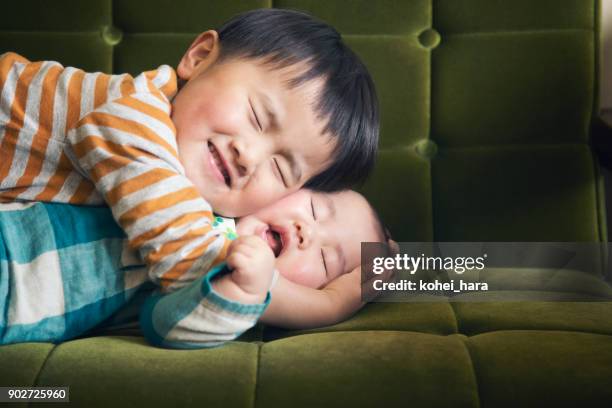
x=254, y=198
x=241, y=203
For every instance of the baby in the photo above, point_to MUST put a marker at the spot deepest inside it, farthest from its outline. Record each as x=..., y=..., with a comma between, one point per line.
x=250, y=115
x=312, y=239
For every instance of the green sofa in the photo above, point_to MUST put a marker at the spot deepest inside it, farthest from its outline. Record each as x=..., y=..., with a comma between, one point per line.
x=488, y=110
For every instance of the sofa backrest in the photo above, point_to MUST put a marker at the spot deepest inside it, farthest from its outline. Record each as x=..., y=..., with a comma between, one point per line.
x=486, y=105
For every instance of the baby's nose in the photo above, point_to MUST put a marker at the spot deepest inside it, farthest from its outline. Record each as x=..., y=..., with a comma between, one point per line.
x=304, y=234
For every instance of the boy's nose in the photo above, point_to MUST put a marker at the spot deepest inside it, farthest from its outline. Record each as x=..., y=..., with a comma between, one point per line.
x=303, y=234
x=240, y=159
x=247, y=156
x=243, y=157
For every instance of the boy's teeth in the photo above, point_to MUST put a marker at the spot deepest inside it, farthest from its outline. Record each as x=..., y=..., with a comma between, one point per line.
x=219, y=163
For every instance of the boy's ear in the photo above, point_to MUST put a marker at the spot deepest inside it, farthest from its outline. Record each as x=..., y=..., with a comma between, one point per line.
x=201, y=54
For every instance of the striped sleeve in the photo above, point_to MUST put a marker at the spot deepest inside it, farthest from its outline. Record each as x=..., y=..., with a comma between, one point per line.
x=196, y=316
x=127, y=148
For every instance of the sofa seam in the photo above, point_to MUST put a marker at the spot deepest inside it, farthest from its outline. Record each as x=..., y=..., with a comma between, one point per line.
x=256, y=386
x=474, y=334
x=398, y=35
x=47, y=32
x=42, y=368
x=457, y=330
x=595, y=111
x=466, y=334
x=430, y=164
x=481, y=146
x=471, y=33
x=112, y=10
x=598, y=208
x=527, y=31
x=597, y=51
x=473, y=369
x=516, y=146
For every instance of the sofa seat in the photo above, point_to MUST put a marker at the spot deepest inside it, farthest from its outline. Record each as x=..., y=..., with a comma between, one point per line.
x=422, y=354
x=487, y=112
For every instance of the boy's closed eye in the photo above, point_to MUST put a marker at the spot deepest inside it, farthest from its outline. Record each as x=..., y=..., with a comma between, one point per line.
x=256, y=118
x=258, y=126
x=292, y=174
x=280, y=172
x=287, y=169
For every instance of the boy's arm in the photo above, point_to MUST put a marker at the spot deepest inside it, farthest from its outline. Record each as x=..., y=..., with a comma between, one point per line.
x=196, y=316
x=217, y=307
x=294, y=306
x=127, y=148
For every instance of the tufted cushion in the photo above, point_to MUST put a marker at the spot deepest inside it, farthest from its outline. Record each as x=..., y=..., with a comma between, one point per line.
x=486, y=108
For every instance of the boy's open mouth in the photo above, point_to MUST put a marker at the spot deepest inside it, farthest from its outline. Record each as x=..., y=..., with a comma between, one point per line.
x=274, y=241
x=220, y=163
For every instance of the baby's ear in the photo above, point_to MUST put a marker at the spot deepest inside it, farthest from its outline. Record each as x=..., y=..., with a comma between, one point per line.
x=393, y=246
x=200, y=55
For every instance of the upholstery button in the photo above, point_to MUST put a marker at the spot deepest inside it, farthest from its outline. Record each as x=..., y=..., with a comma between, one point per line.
x=112, y=35
x=426, y=148
x=429, y=38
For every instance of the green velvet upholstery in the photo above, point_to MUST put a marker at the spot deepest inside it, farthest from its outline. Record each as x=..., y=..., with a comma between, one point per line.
x=487, y=110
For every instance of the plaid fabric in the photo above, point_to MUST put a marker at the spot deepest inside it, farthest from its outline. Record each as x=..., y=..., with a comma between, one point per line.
x=65, y=269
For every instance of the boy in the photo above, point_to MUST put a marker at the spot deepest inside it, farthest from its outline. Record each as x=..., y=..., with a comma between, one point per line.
x=259, y=113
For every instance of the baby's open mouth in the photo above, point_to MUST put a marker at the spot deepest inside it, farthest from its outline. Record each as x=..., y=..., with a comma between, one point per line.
x=274, y=241
x=220, y=164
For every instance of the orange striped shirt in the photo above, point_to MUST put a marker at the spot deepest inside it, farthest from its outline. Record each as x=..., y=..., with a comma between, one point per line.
x=90, y=138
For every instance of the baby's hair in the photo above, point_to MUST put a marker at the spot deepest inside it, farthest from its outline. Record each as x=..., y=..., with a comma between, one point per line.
x=348, y=100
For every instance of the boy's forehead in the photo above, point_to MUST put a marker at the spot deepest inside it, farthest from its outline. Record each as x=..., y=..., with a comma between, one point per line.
x=294, y=77
x=284, y=67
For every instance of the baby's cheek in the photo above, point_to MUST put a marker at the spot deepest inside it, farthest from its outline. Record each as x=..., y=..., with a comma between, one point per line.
x=302, y=270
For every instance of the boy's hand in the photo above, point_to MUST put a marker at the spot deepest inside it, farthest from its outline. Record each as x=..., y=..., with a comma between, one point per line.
x=252, y=263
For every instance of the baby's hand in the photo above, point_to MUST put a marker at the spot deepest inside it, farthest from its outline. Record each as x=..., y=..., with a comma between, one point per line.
x=252, y=263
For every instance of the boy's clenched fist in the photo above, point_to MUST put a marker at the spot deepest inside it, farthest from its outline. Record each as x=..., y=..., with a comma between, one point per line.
x=251, y=262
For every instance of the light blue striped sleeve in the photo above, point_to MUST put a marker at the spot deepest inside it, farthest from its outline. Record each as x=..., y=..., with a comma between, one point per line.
x=196, y=316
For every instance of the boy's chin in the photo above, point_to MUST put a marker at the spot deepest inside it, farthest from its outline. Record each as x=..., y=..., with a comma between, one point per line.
x=223, y=210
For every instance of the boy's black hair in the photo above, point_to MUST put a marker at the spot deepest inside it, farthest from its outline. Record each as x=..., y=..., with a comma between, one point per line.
x=348, y=99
